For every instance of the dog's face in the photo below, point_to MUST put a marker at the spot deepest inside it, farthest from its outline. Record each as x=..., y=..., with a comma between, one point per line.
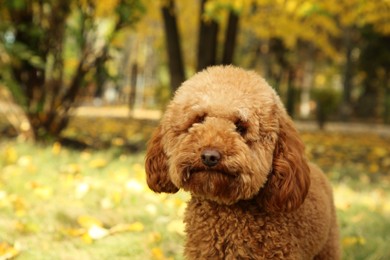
x=221, y=138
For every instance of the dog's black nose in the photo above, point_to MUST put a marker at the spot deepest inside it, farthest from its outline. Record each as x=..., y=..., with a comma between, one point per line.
x=210, y=157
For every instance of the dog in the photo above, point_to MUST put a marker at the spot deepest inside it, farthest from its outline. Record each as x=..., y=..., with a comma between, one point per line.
x=227, y=139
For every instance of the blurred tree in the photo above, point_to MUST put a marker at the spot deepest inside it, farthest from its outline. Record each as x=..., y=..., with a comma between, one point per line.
x=353, y=17
x=327, y=32
x=289, y=37
x=210, y=20
x=52, y=46
x=216, y=14
x=327, y=100
x=207, y=39
x=374, y=63
x=173, y=43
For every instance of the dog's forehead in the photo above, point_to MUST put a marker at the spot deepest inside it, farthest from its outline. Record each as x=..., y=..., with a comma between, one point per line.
x=220, y=110
x=218, y=97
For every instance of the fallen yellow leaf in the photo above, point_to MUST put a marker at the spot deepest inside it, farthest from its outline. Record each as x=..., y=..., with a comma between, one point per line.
x=157, y=253
x=26, y=227
x=74, y=232
x=117, y=141
x=56, y=149
x=86, y=238
x=373, y=168
x=18, y=204
x=154, y=237
x=72, y=168
x=44, y=192
x=379, y=151
x=98, y=163
x=10, y=155
x=353, y=240
x=136, y=226
x=88, y=221
x=8, y=251
x=117, y=197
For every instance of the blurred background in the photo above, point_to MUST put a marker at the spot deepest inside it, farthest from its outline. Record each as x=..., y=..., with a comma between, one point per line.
x=84, y=83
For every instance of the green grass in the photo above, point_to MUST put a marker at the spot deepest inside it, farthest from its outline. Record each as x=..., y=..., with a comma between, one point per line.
x=55, y=201
x=44, y=192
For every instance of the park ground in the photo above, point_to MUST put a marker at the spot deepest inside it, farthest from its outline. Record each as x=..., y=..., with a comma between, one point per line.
x=63, y=202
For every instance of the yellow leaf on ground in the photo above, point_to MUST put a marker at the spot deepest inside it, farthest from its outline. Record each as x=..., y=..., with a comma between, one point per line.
x=380, y=151
x=75, y=232
x=26, y=227
x=98, y=163
x=157, y=253
x=86, y=238
x=56, y=149
x=44, y=193
x=154, y=237
x=353, y=240
x=10, y=155
x=19, y=205
x=8, y=251
x=373, y=168
x=72, y=168
x=134, y=227
x=117, y=197
x=118, y=141
x=88, y=221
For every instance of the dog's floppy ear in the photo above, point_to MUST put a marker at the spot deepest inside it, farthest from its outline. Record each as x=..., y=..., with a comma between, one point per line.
x=289, y=181
x=156, y=166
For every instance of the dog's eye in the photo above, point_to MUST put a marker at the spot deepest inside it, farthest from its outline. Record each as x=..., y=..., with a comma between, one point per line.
x=199, y=119
x=241, y=127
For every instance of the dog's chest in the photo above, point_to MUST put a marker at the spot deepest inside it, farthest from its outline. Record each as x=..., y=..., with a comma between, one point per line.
x=233, y=232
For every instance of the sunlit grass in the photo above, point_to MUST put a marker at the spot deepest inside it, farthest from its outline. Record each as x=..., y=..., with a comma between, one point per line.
x=60, y=204
x=57, y=203
x=364, y=217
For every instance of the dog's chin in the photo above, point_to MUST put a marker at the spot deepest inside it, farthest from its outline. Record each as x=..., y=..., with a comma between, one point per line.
x=216, y=185
x=207, y=173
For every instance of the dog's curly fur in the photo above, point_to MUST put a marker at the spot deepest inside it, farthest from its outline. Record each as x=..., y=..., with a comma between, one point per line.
x=258, y=197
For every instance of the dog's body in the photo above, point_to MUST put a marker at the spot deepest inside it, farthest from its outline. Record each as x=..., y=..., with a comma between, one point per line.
x=227, y=139
x=245, y=231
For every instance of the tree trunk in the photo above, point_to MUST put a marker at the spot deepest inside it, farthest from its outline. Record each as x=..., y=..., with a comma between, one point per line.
x=290, y=104
x=133, y=86
x=175, y=60
x=346, y=106
x=230, y=38
x=207, y=41
x=386, y=111
x=101, y=73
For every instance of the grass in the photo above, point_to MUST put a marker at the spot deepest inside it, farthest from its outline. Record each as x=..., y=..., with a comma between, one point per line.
x=57, y=203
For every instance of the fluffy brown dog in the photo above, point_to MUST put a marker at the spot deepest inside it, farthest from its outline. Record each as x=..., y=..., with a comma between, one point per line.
x=227, y=139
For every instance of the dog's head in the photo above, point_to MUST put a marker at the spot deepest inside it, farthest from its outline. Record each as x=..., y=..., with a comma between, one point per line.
x=227, y=137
